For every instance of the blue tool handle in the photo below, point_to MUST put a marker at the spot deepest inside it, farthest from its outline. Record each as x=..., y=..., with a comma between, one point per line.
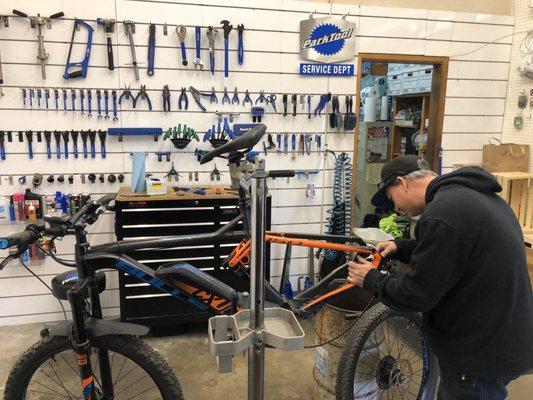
x=84, y=150
x=110, y=62
x=65, y=102
x=30, y=150
x=56, y=103
x=151, y=56
x=82, y=106
x=93, y=150
x=200, y=105
x=46, y=101
x=226, y=58
x=48, y=151
x=240, y=50
x=104, y=153
x=106, y=106
x=197, y=30
x=2, y=152
x=66, y=150
x=183, y=53
x=58, y=151
x=75, y=150
x=73, y=102
x=212, y=62
x=90, y=107
x=99, y=105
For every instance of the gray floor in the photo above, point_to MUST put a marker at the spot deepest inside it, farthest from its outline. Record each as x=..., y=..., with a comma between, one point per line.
x=289, y=376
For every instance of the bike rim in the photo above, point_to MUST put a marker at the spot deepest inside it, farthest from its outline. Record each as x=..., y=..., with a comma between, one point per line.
x=393, y=363
x=58, y=378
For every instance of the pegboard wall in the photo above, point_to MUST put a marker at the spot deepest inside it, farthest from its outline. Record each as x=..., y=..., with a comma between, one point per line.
x=518, y=84
x=476, y=90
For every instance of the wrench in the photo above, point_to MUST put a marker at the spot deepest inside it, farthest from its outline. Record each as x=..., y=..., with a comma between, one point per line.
x=181, y=31
x=226, y=27
x=212, y=34
x=89, y=102
x=114, y=97
x=82, y=100
x=99, y=102
x=240, y=48
x=197, y=62
x=106, y=103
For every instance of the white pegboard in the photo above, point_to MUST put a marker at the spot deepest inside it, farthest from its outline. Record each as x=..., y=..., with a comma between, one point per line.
x=523, y=12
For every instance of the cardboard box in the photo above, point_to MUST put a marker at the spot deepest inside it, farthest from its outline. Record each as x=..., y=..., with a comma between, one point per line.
x=409, y=82
x=395, y=85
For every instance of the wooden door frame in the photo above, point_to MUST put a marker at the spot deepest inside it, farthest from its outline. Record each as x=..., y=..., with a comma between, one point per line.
x=436, y=110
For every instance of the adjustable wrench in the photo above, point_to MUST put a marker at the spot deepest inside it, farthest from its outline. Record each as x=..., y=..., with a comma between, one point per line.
x=226, y=27
x=212, y=34
x=181, y=31
x=129, y=27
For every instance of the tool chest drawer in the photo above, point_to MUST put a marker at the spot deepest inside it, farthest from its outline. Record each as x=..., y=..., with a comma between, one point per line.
x=139, y=216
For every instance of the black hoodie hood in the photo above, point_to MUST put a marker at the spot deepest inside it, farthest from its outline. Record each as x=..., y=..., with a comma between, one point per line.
x=475, y=178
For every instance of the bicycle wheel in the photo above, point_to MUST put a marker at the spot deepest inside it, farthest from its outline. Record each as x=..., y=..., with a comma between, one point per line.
x=48, y=370
x=386, y=356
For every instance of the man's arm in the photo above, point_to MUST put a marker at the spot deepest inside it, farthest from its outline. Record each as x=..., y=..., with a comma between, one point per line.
x=435, y=266
x=405, y=249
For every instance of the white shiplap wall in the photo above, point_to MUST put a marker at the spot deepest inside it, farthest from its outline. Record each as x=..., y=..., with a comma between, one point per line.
x=474, y=106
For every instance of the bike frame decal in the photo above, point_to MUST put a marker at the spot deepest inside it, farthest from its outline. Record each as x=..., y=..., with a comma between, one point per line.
x=87, y=386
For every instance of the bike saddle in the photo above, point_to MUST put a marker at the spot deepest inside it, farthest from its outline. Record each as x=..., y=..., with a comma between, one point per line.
x=244, y=142
x=62, y=283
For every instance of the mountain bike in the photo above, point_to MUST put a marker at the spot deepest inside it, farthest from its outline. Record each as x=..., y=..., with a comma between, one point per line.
x=92, y=358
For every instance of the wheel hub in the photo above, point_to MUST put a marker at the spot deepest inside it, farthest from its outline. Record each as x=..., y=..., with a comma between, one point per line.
x=389, y=374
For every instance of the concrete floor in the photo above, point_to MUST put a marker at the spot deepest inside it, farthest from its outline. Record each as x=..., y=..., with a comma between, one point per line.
x=289, y=376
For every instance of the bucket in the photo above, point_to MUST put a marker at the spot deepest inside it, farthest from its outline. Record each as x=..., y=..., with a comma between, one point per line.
x=329, y=323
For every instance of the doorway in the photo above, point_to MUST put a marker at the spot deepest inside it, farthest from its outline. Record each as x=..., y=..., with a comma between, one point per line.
x=400, y=100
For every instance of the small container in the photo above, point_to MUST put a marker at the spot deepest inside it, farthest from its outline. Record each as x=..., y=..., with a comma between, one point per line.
x=18, y=203
x=4, y=210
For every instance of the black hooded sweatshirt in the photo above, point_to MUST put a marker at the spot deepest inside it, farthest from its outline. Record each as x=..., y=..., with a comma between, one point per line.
x=468, y=276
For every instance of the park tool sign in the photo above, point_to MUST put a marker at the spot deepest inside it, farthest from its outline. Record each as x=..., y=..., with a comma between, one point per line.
x=327, y=40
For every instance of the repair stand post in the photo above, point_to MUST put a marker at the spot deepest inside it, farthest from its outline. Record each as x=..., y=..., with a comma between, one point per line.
x=256, y=352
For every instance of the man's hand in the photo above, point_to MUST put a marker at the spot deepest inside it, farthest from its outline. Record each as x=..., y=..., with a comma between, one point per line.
x=358, y=270
x=387, y=248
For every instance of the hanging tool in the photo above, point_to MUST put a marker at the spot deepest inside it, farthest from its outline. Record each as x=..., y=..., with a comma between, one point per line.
x=318, y=141
x=109, y=28
x=272, y=100
x=293, y=146
x=261, y=97
x=46, y=96
x=183, y=101
x=102, y=136
x=197, y=61
x=196, y=95
x=82, y=101
x=225, y=98
x=64, y=99
x=89, y=103
x=74, y=135
x=2, y=147
x=29, y=139
x=166, y=98
x=165, y=29
x=31, y=96
x=84, y=137
x=126, y=93
x=235, y=99
x=181, y=31
x=84, y=64
x=64, y=134
x=278, y=141
x=324, y=100
x=39, y=95
x=24, y=97
x=56, y=98
x=335, y=117
x=129, y=27
x=247, y=98
x=73, y=98
x=294, y=103
x=1, y=76
x=240, y=49
x=114, y=100
x=257, y=114
x=151, y=49
x=143, y=96
x=92, y=139
x=214, y=98
x=285, y=100
x=99, y=102
x=57, y=137
x=106, y=103
x=226, y=27
x=38, y=22
x=308, y=106
x=212, y=34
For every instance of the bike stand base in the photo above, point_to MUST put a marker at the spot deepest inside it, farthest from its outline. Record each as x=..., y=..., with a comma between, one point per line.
x=231, y=335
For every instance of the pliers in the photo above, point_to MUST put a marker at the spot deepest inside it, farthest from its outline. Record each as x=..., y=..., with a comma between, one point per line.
x=143, y=96
x=183, y=102
x=166, y=98
x=127, y=93
x=261, y=97
x=272, y=100
x=226, y=98
x=247, y=99
x=235, y=99
x=214, y=98
x=196, y=94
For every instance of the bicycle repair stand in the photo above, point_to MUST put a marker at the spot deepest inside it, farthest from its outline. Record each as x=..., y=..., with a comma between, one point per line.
x=256, y=327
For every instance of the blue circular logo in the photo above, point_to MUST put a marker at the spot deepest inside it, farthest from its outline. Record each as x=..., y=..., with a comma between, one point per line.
x=332, y=47
x=3, y=244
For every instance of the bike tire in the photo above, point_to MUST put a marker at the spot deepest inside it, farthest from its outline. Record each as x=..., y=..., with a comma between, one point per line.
x=130, y=347
x=355, y=344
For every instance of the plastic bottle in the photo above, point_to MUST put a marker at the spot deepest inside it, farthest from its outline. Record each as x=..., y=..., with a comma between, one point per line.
x=4, y=210
x=18, y=203
x=57, y=203
x=32, y=213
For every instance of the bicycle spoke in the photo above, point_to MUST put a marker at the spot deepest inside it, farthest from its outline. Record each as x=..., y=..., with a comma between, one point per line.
x=60, y=384
x=120, y=370
x=43, y=385
x=46, y=393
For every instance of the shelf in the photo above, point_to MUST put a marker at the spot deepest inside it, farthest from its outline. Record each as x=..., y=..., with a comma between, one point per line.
x=404, y=124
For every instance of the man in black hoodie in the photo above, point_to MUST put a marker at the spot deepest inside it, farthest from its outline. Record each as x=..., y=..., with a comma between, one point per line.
x=468, y=275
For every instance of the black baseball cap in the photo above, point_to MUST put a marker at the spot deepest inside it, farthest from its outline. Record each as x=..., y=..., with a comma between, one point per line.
x=399, y=166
